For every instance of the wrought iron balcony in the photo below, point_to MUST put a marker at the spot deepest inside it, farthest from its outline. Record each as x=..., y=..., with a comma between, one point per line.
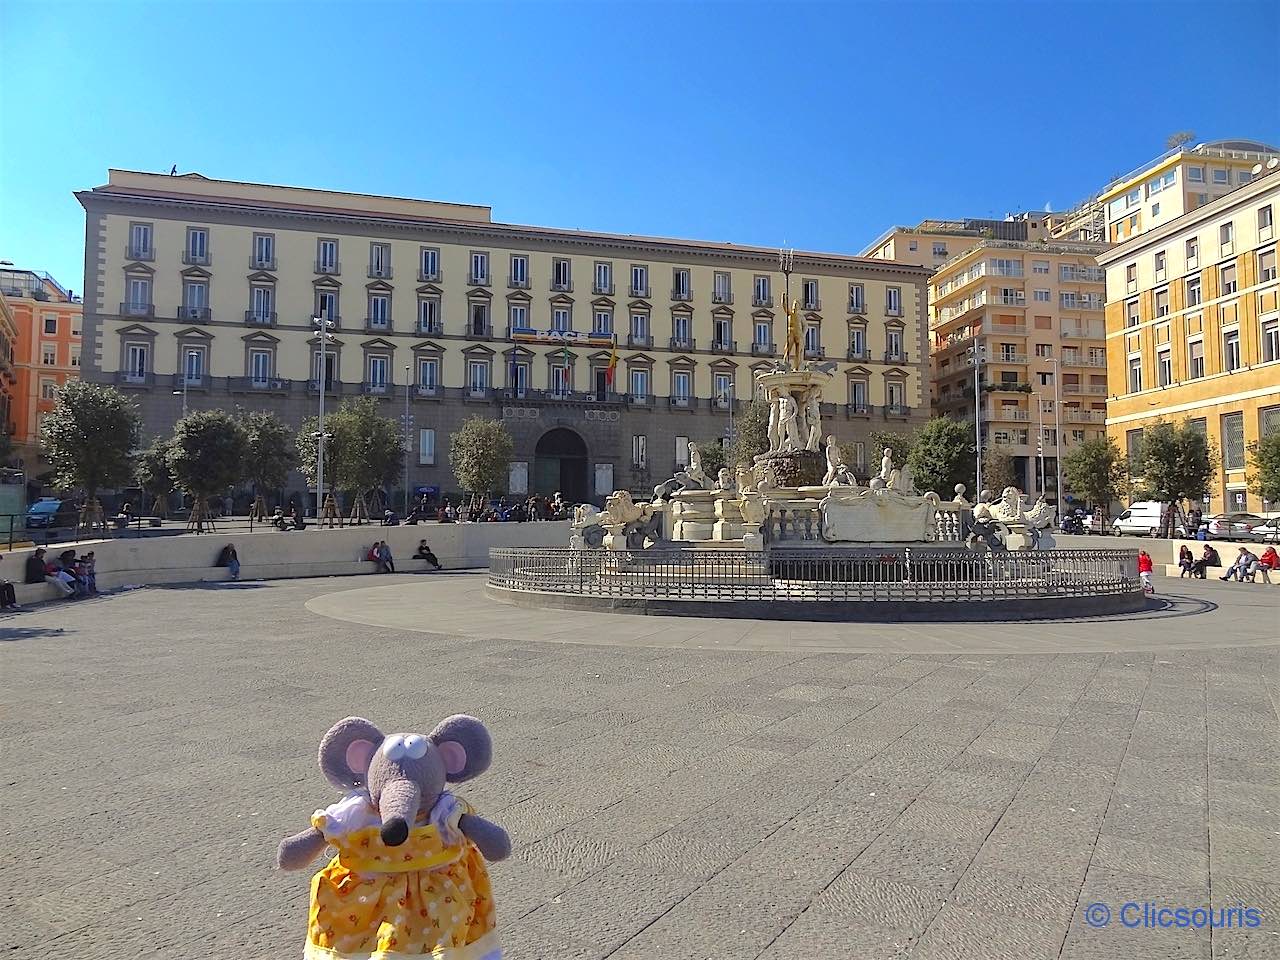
x=724, y=346
x=859, y=353
x=896, y=410
x=683, y=343
x=604, y=290
x=426, y=390
x=759, y=301
x=139, y=253
x=682, y=295
x=126, y=378
x=814, y=303
x=376, y=388
x=681, y=402
x=376, y=325
x=196, y=314
x=331, y=385
x=895, y=356
x=128, y=309
x=193, y=259
x=518, y=283
x=562, y=286
x=379, y=271
x=259, y=385
x=424, y=277
x=331, y=269
x=478, y=331
x=857, y=306
x=262, y=263
x=814, y=353
x=857, y=409
x=762, y=349
x=722, y=296
x=638, y=342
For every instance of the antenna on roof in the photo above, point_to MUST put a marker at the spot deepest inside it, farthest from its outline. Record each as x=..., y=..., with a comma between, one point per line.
x=173, y=172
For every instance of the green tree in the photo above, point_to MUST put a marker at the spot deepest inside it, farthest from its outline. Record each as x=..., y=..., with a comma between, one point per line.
x=997, y=469
x=1175, y=462
x=901, y=442
x=942, y=456
x=1264, y=460
x=371, y=446
x=750, y=434
x=154, y=475
x=480, y=456
x=270, y=451
x=306, y=446
x=90, y=436
x=1097, y=471
x=712, y=459
x=206, y=455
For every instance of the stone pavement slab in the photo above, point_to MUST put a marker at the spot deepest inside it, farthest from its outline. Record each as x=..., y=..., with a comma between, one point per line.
x=675, y=788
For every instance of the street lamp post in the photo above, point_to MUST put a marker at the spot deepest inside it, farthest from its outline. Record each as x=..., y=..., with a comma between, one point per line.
x=1057, y=437
x=1040, y=437
x=408, y=387
x=186, y=379
x=323, y=331
x=975, y=356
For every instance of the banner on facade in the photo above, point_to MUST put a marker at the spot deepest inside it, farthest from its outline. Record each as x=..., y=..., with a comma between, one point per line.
x=567, y=337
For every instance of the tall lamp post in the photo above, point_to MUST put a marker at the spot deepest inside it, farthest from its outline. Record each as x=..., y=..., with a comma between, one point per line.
x=976, y=356
x=1057, y=437
x=324, y=332
x=1040, y=437
x=186, y=379
x=408, y=388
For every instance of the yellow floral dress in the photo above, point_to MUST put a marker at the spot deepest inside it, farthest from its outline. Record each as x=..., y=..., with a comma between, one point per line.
x=427, y=898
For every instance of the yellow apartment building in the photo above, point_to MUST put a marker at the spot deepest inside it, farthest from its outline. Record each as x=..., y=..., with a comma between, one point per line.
x=1193, y=329
x=931, y=243
x=1034, y=310
x=207, y=288
x=1162, y=190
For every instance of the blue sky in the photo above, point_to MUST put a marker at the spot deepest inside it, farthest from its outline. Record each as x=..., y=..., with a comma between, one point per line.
x=814, y=124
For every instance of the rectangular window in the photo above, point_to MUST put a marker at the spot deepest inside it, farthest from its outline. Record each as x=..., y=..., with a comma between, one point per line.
x=326, y=256
x=1131, y=313
x=561, y=277
x=429, y=373
x=1221, y=176
x=810, y=295
x=561, y=379
x=139, y=295
x=893, y=301
x=680, y=385
x=1233, y=441
x=1195, y=359
x=1193, y=253
x=1159, y=261
x=426, y=447
x=761, y=294
x=75, y=357
x=762, y=331
x=1195, y=174
x=1042, y=296
x=857, y=342
x=1046, y=350
x=640, y=325
x=260, y=367
x=722, y=389
x=264, y=251
x=1131, y=278
x=1226, y=238
x=1265, y=222
x=262, y=303
x=379, y=310
x=1042, y=266
x=50, y=323
x=604, y=277
x=602, y=323
x=519, y=270
x=639, y=451
x=137, y=362
x=478, y=377
x=380, y=260
x=1231, y=350
x=478, y=320
x=857, y=298
x=1266, y=265
x=895, y=394
x=378, y=368
x=721, y=291
x=1162, y=302
x=639, y=280
x=640, y=382
x=682, y=451
x=812, y=338
x=49, y=356
x=940, y=250
x=1164, y=367
x=429, y=315
x=518, y=317
x=140, y=241
x=680, y=289
x=518, y=378
x=560, y=321
x=428, y=263
x=1271, y=340
x=197, y=245
x=858, y=393
x=893, y=344
x=479, y=267
x=722, y=334
x=1193, y=291
x=1227, y=279
x=327, y=304
x=48, y=390
x=1135, y=374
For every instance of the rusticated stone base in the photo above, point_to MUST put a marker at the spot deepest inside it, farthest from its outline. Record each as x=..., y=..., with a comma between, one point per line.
x=801, y=469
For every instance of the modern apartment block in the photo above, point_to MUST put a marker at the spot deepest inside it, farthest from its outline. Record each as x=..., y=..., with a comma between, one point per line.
x=1035, y=312
x=1193, y=329
x=210, y=286
x=1162, y=190
x=47, y=318
x=931, y=243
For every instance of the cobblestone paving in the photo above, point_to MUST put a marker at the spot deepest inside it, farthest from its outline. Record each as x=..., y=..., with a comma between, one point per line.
x=665, y=801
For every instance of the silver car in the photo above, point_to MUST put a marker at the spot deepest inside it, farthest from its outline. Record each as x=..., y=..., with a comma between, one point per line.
x=1266, y=532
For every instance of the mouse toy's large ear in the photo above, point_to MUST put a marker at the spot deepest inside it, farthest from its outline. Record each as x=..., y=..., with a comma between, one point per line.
x=464, y=745
x=346, y=750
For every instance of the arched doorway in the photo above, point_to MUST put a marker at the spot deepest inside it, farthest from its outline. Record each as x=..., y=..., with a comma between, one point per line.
x=560, y=463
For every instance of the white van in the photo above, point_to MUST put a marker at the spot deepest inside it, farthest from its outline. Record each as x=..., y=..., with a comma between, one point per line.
x=1140, y=519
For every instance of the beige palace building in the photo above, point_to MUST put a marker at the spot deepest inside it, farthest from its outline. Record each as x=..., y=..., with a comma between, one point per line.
x=1193, y=329
x=1035, y=311
x=209, y=287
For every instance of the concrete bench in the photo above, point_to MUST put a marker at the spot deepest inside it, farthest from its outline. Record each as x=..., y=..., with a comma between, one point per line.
x=1174, y=571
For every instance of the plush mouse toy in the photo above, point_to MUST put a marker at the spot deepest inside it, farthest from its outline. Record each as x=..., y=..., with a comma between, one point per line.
x=409, y=879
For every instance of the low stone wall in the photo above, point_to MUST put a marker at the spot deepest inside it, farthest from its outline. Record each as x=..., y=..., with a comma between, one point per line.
x=1175, y=571
x=270, y=555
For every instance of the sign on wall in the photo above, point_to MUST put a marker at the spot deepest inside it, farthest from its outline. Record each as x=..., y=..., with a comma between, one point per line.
x=567, y=337
x=518, y=477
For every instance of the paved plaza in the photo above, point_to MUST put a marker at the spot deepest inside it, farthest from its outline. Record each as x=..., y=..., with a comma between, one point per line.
x=674, y=788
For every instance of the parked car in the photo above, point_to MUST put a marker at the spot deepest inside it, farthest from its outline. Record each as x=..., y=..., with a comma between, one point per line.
x=1231, y=526
x=50, y=512
x=1268, y=531
x=1141, y=519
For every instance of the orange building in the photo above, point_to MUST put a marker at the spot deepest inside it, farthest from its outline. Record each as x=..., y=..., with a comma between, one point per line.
x=46, y=354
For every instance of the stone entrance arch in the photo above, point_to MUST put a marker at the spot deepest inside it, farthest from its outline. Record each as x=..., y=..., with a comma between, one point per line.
x=560, y=463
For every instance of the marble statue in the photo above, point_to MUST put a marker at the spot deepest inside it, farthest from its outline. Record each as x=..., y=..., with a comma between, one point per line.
x=746, y=482
x=960, y=497
x=789, y=424
x=881, y=515
x=766, y=478
x=693, y=474
x=631, y=525
x=775, y=437
x=987, y=529
x=813, y=419
x=724, y=480
x=835, y=460
x=752, y=510
x=886, y=465
x=900, y=479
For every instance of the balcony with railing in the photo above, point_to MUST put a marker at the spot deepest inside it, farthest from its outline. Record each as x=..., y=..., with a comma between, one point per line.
x=1097, y=389
x=562, y=286
x=196, y=382
x=518, y=283
x=1068, y=302
x=759, y=301
x=1082, y=333
x=814, y=352
x=1075, y=415
x=331, y=385
x=1008, y=358
x=379, y=271
x=1076, y=360
x=1007, y=330
x=724, y=346
x=432, y=277
x=857, y=409
x=1018, y=299
x=377, y=324
x=139, y=252
x=641, y=292
x=640, y=399
x=377, y=388
x=684, y=294
x=127, y=378
x=603, y=289
x=892, y=410
x=259, y=385
x=861, y=354
x=260, y=318
x=132, y=309
x=262, y=263
x=638, y=341
x=682, y=402
x=975, y=302
x=478, y=331
x=811, y=303
x=1004, y=412
x=895, y=356
x=722, y=296
x=193, y=258
x=592, y=397
x=427, y=391
x=478, y=394
x=329, y=268
x=435, y=327
x=762, y=349
x=1070, y=274
x=683, y=343
x=194, y=314
x=857, y=306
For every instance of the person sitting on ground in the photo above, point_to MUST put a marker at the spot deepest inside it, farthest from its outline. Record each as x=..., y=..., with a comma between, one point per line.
x=8, y=597
x=296, y=521
x=372, y=555
x=1208, y=558
x=1145, y=568
x=35, y=567
x=1241, y=568
x=55, y=575
x=424, y=553
x=228, y=558
x=89, y=569
x=1186, y=562
x=384, y=557
x=1267, y=562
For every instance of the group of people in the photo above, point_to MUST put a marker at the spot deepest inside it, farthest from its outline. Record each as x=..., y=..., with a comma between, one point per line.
x=291, y=521
x=380, y=554
x=74, y=576
x=1246, y=564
